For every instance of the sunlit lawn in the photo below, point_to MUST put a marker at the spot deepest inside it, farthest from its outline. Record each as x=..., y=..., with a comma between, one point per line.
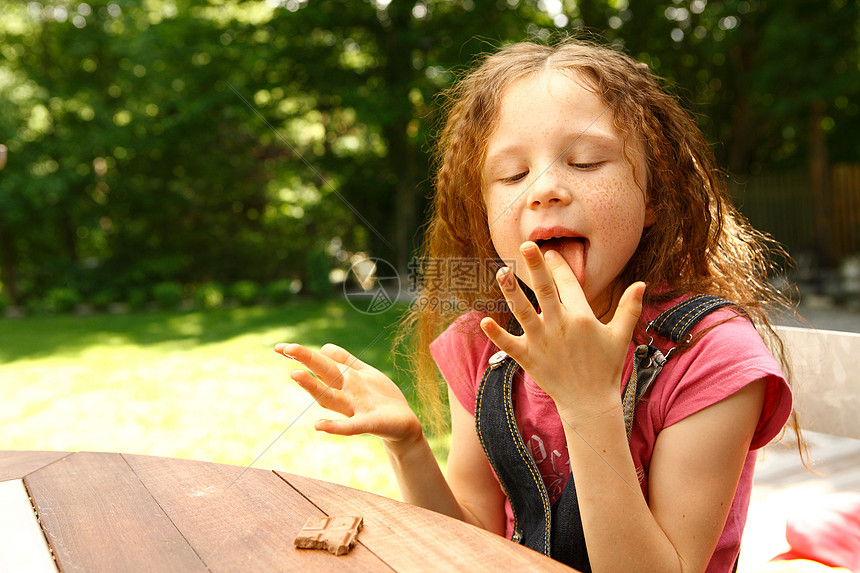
x=204, y=385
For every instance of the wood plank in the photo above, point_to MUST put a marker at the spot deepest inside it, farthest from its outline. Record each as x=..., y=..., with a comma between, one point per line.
x=22, y=544
x=411, y=538
x=248, y=525
x=827, y=394
x=15, y=465
x=98, y=516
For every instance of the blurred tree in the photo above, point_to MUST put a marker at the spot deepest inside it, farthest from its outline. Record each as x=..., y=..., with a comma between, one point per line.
x=752, y=69
x=370, y=71
x=775, y=83
x=217, y=140
x=133, y=161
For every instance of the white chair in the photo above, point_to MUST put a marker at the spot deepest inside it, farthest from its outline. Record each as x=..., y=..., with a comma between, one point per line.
x=826, y=383
x=825, y=379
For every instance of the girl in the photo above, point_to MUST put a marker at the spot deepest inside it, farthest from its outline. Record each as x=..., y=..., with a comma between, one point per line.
x=594, y=204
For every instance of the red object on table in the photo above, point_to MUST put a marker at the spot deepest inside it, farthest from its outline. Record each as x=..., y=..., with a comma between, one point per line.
x=828, y=533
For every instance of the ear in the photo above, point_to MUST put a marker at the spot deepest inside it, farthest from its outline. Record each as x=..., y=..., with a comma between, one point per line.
x=647, y=194
x=650, y=217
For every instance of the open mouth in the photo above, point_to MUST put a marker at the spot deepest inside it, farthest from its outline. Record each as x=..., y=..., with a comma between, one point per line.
x=572, y=247
x=558, y=243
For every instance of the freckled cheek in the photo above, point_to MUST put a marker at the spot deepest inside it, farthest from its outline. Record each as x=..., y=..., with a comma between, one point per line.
x=494, y=210
x=616, y=208
x=505, y=233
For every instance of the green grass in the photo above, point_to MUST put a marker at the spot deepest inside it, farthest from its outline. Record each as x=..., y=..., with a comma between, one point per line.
x=203, y=385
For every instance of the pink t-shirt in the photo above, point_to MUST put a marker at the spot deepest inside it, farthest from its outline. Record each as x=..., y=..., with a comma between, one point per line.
x=721, y=362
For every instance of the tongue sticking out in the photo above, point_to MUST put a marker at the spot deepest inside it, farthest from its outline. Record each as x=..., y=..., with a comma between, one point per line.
x=572, y=249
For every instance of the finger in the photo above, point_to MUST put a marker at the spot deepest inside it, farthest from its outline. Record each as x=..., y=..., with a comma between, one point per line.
x=500, y=337
x=279, y=348
x=325, y=395
x=629, y=309
x=326, y=369
x=543, y=283
x=344, y=427
x=569, y=290
x=351, y=426
x=520, y=306
x=342, y=356
x=295, y=351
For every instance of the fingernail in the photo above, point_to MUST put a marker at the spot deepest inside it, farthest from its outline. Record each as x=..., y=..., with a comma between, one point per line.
x=279, y=348
x=504, y=277
x=529, y=247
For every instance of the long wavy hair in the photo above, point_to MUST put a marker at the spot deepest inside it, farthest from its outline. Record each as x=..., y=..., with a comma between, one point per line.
x=699, y=242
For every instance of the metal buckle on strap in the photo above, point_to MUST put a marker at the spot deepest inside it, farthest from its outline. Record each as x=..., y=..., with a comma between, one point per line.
x=669, y=352
x=497, y=359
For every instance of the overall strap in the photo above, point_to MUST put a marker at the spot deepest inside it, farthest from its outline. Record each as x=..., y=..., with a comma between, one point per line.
x=674, y=324
x=552, y=529
x=677, y=322
x=504, y=447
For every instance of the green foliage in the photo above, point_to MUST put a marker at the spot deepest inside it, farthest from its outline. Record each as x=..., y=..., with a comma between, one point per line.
x=279, y=291
x=62, y=299
x=137, y=298
x=167, y=295
x=245, y=292
x=102, y=299
x=209, y=296
x=198, y=141
x=317, y=270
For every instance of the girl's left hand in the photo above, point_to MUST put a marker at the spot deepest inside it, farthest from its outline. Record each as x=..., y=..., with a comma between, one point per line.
x=370, y=401
x=575, y=358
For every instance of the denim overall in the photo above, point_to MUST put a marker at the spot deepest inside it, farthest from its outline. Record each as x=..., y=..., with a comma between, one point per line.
x=556, y=529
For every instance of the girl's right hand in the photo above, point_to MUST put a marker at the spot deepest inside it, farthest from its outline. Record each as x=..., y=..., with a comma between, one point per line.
x=371, y=402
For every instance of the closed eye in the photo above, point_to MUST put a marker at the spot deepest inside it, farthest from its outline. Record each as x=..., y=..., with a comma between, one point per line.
x=515, y=178
x=587, y=166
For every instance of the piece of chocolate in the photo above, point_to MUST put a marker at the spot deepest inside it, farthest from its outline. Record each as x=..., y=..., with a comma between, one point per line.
x=337, y=535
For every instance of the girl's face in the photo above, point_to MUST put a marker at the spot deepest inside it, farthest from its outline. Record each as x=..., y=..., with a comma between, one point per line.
x=555, y=173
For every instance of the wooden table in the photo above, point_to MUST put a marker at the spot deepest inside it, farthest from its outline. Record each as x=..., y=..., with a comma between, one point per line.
x=121, y=512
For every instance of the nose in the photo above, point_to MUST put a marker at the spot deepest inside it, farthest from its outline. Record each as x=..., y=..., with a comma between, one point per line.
x=549, y=188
